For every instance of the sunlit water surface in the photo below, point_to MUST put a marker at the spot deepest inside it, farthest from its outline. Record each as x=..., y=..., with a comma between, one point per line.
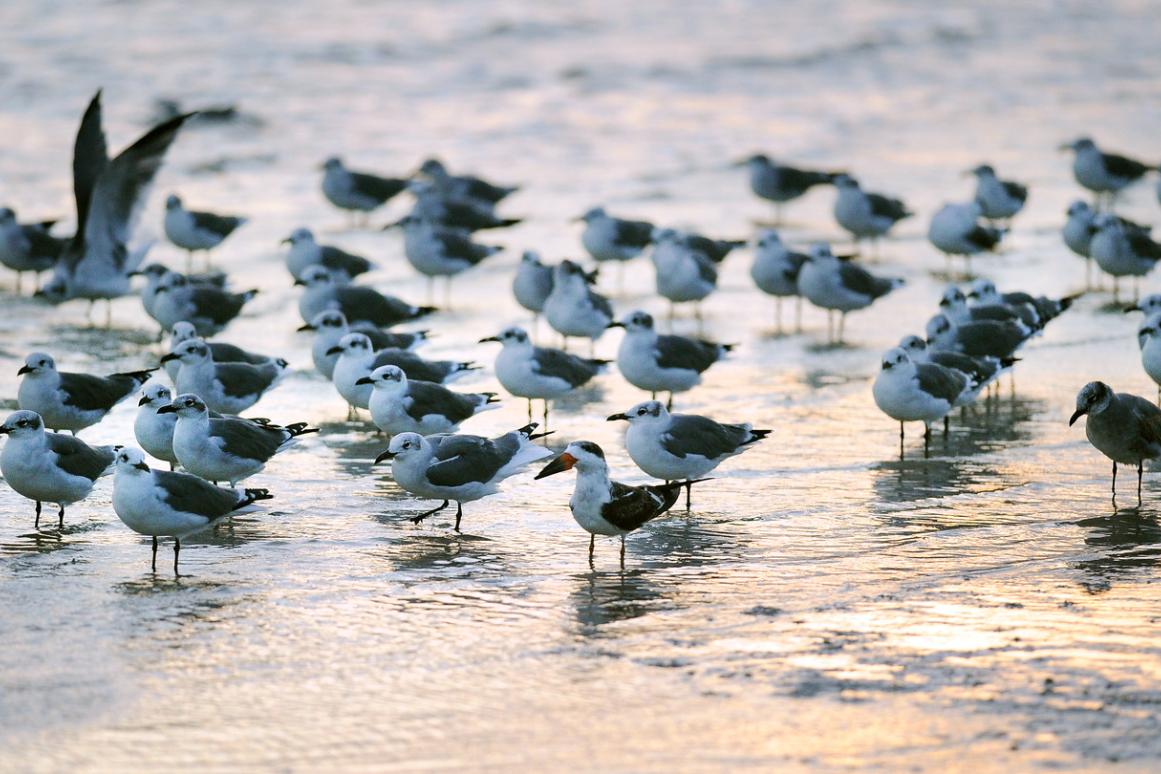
x=824, y=605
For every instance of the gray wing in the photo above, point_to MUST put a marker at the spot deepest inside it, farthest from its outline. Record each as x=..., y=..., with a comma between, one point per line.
x=414, y=366
x=705, y=268
x=90, y=393
x=351, y=264
x=77, y=458
x=885, y=206
x=243, y=438
x=190, y=494
x=859, y=280
x=90, y=157
x=636, y=233
x=574, y=370
x=120, y=192
x=687, y=354
x=228, y=353
x=941, y=382
x=216, y=304
x=241, y=379
x=600, y=303
x=989, y=338
x=428, y=398
x=692, y=434
x=222, y=225
x=367, y=304
x=462, y=459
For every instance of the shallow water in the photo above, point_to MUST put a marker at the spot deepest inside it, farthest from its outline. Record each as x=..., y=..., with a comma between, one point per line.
x=825, y=605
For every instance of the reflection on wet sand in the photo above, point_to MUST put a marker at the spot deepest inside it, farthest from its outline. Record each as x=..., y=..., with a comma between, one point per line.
x=1126, y=542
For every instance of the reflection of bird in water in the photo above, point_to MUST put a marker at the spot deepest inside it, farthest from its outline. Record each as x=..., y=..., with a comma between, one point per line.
x=602, y=598
x=1126, y=541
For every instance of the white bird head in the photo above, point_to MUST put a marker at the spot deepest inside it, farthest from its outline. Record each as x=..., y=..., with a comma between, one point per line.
x=594, y=213
x=1079, y=209
x=404, y=447
x=940, y=330
x=952, y=300
x=328, y=321
x=768, y=237
x=820, y=254
x=155, y=395
x=189, y=351
x=173, y=202
x=185, y=405
x=846, y=182
x=433, y=168
x=299, y=236
x=984, y=292
x=7, y=215
x=896, y=359
x=37, y=364
x=22, y=424
x=353, y=344
x=643, y=413
x=333, y=164
x=315, y=276
x=635, y=322
x=389, y=377
x=531, y=257
x=182, y=331
x=131, y=461
x=513, y=336
x=914, y=346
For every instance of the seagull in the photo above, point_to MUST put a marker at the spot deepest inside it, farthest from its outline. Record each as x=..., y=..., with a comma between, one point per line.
x=305, y=251
x=663, y=363
x=1079, y=229
x=981, y=338
x=683, y=273
x=1149, y=340
x=602, y=506
x=613, y=239
x=775, y=272
x=221, y=351
x=357, y=192
x=464, y=186
x=539, y=373
x=532, y=283
x=160, y=503
x=982, y=371
x=676, y=447
x=72, y=401
x=780, y=183
x=435, y=251
x=109, y=194
x=919, y=392
x=229, y=388
x=155, y=272
x=956, y=230
x=1123, y=427
x=954, y=304
x=357, y=303
x=1121, y=251
x=463, y=468
x=717, y=250
x=998, y=199
x=400, y=405
x=573, y=308
x=49, y=467
x=983, y=293
x=27, y=246
x=331, y=326
x=840, y=286
x=1150, y=305
x=207, y=307
x=1103, y=173
x=225, y=448
x=357, y=358
x=153, y=431
x=461, y=214
x=865, y=214
x=192, y=231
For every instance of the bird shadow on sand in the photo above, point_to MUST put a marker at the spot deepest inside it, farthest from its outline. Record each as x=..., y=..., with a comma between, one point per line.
x=49, y=537
x=606, y=596
x=1125, y=543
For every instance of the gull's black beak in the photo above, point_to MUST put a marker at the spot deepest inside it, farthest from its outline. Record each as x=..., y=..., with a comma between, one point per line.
x=1067, y=146
x=387, y=455
x=1076, y=415
x=307, y=327
x=334, y=350
x=1133, y=309
x=5, y=429
x=287, y=241
x=299, y=283
x=24, y=370
x=162, y=289
x=135, y=273
x=141, y=466
x=614, y=417
x=973, y=294
x=170, y=357
x=886, y=366
x=364, y=380
x=490, y=338
x=168, y=408
x=143, y=401
x=615, y=325
x=559, y=465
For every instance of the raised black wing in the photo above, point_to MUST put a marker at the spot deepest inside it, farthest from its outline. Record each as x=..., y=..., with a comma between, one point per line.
x=632, y=506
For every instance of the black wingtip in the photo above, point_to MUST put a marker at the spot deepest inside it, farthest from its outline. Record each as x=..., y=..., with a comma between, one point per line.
x=759, y=434
x=253, y=495
x=538, y=436
x=528, y=428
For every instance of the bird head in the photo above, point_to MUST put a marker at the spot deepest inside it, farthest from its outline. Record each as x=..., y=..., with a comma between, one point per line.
x=188, y=351
x=647, y=411
x=155, y=395
x=403, y=447
x=36, y=364
x=1093, y=398
x=895, y=358
x=22, y=423
x=185, y=405
x=131, y=461
x=583, y=455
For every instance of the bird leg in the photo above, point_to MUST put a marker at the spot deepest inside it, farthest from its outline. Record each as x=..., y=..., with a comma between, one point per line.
x=778, y=313
x=176, y=551
x=945, y=425
x=545, y=417
x=530, y=409
x=900, y=441
x=459, y=514
x=622, y=551
x=19, y=281
x=798, y=314
x=1114, y=483
x=154, y=565
x=425, y=514
x=60, y=517
x=592, y=544
x=37, y=524
x=1116, y=288
x=1140, y=472
x=842, y=321
x=1088, y=273
x=669, y=403
x=926, y=438
x=688, y=494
